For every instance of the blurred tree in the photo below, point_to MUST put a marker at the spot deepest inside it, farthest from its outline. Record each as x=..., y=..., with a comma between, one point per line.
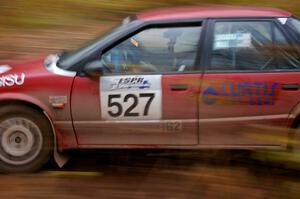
x=62, y=12
x=29, y=27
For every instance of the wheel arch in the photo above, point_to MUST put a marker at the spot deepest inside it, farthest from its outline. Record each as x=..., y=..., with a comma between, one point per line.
x=294, y=116
x=34, y=104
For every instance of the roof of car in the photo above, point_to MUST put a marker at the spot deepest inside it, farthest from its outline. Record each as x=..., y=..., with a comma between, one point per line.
x=210, y=12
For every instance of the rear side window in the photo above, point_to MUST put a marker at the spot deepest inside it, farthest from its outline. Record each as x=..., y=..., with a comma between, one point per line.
x=249, y=45
x=295, y=24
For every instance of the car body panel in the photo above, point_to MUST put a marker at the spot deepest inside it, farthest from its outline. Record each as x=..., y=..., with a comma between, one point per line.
x=195, y=110
x=92, y=128
x=38, y=86
x=234, y=103
x=210, y=12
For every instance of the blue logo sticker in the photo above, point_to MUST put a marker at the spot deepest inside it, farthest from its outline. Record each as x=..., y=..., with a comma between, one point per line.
x=251, y=93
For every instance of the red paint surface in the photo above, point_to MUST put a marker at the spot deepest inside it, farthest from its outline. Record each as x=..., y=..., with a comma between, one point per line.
x=38, y=86
x=243, y=112
x=176, y=105
x=210, y=12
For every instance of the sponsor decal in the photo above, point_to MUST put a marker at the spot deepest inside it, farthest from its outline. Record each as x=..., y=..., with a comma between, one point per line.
x=12, y=79
x=282, y=20
x=130, y=97
x=130, y=83
x=250, y=93
x=236, y=40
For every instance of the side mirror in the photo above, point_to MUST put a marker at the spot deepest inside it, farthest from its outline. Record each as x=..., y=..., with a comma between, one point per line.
x=94, y=69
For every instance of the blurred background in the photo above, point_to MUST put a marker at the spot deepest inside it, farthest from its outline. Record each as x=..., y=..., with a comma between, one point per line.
x=29, y=28
x=32, y=27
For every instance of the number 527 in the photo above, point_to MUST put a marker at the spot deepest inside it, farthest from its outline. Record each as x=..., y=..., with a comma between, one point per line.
x=113, y=102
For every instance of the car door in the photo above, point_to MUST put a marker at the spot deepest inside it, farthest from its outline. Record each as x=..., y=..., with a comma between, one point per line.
x=147, y=94
x=251, y=82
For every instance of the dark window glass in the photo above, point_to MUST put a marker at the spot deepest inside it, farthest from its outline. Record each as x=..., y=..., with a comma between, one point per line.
x=285, y=54
x=295, y=23
x=155, y=50
x=251, y=46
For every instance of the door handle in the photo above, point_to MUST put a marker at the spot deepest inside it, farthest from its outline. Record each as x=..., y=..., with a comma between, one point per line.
x=291, y=87
x=179, y=87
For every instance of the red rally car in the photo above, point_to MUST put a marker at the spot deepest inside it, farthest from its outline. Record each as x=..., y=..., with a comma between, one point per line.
x=179, y=78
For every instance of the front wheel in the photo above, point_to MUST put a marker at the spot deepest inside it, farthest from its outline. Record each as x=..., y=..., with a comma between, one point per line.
x=26, y=139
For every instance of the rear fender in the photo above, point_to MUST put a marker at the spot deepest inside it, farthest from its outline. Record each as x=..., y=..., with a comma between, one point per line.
x=293, y=115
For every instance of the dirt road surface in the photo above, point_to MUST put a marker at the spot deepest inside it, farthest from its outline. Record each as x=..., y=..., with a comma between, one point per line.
x=156, y=174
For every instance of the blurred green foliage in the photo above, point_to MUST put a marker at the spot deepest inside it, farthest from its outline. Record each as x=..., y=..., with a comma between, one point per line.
x=40, y=13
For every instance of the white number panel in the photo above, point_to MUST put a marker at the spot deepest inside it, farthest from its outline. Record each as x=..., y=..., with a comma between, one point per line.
x=130, y=97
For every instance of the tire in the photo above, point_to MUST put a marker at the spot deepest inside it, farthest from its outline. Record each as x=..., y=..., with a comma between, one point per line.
x=26, y=139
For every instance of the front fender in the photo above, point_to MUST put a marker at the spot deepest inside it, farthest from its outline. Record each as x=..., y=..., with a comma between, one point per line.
x=59, y=158
x=27, y=99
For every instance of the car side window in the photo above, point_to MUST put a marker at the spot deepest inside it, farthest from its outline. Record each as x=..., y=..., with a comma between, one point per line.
x=295, y=24
x=248, y=46
x=166, y=49
x=287, y=57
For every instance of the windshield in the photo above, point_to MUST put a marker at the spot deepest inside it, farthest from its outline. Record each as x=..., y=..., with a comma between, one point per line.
x=67, y=59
